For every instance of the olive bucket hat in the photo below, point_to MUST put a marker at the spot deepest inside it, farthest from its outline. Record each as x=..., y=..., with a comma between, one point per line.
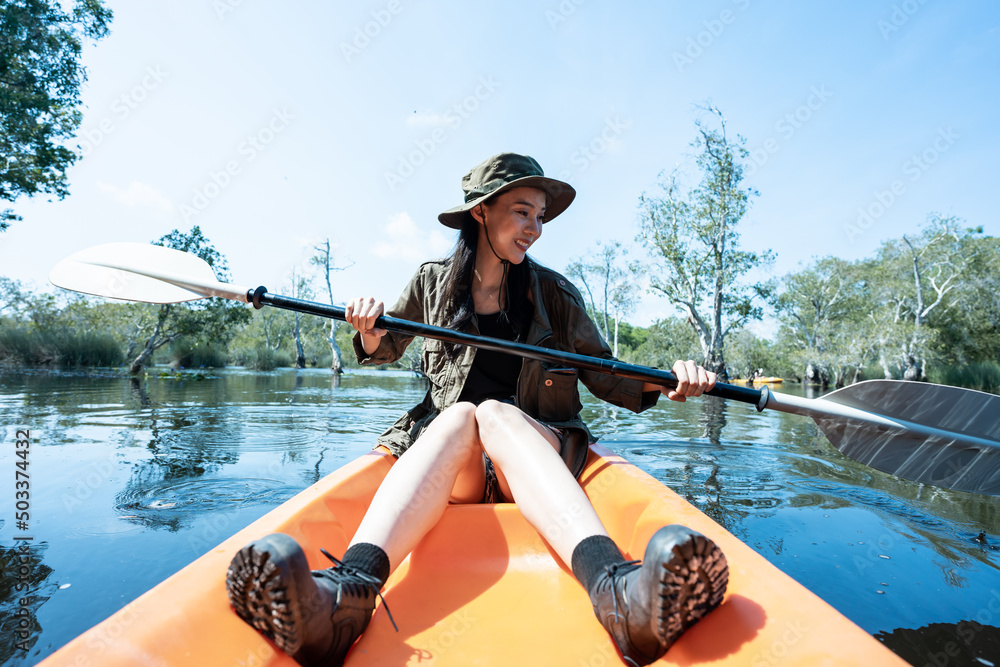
x=501, y=173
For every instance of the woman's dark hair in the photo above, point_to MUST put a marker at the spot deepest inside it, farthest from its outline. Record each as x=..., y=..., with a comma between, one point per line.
x=458, y=287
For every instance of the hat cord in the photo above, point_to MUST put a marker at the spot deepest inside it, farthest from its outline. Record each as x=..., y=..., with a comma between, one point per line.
x=503, y=277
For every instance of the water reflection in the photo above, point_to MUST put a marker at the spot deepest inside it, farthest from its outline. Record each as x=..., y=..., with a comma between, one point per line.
x=969, y=642
x=24, y=588
x=164, y=481
x=713, y=418
x=138, y=397
x=184, y=463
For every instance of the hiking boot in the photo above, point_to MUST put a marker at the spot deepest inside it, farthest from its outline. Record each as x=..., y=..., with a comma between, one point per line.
x=646, y=607
x=316, y=616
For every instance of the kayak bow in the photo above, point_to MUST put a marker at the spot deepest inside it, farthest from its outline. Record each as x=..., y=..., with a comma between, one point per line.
x=482, y=588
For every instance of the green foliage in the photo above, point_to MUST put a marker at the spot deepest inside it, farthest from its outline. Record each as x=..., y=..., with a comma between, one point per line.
x=42, y=329
x=983, y=375
x=196, y=243
x=612, y=292
x=630, y=337
x=925, y=299
x=263, y=358
x=825, y=335
x=208, y=323
x=411, y=359
x=184, y=353
x=969, y=331
x=664, y=343
x=267, y=341
x=697, y=261
x=40, y=79
x=345, y=338
x=88, y=348
x=919, y=279
x=18, y=345
x=746, y=353
x=61, y=345
x=13, y=297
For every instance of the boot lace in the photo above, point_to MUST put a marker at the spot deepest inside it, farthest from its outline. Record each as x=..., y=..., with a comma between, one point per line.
x=616, y=572
x=341, y=571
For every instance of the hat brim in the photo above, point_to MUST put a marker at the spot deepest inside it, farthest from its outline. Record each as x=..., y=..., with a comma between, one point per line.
x=560, y=196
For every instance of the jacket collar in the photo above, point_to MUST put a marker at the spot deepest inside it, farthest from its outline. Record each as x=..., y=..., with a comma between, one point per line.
x=540, y=328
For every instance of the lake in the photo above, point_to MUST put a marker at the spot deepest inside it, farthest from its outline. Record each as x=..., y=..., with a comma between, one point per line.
x=130, y=480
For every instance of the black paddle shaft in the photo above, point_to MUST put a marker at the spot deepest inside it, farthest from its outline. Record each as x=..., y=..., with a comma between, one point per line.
x=758, y=397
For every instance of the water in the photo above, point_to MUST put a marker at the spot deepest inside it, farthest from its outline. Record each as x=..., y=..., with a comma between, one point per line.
x=132, y=480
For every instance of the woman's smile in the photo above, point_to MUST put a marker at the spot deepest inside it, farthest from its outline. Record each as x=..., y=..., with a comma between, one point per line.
x=514, y=217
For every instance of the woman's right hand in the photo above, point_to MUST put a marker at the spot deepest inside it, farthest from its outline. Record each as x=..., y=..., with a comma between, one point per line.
x=361, y=314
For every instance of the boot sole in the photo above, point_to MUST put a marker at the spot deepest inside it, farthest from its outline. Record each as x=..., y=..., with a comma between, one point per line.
x=264, y=592
x=692, y=579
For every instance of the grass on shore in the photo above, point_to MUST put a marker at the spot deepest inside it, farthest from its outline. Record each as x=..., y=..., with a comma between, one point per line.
x=983, y=376
x=68, y=348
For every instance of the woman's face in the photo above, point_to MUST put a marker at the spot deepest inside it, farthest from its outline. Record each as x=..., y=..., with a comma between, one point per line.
x=514, y=222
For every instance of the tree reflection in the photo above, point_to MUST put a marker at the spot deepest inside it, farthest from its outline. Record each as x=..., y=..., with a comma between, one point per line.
x=713, y=418
x=971, y=642
x=177, y=455
x=22, y=566
x=137, y=396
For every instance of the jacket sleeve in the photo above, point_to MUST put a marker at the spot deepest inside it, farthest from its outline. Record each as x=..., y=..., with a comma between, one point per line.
x=409, y=306
x=587, y=339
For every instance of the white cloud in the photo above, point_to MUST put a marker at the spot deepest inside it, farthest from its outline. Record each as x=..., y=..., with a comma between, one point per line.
x=137, y=194
x=405, y=240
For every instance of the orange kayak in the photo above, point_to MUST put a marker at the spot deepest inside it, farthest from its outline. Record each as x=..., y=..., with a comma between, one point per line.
x=482, y=588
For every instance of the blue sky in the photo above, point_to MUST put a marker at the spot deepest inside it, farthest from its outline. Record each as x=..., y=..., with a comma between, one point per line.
x=273, y=126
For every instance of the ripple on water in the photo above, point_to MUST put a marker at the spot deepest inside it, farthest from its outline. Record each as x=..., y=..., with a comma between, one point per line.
x=262, y=428
x=201, y=495
x=754, y=475
x=878, y=500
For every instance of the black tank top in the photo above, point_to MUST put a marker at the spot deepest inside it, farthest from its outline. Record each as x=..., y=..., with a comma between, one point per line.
x=493, y=374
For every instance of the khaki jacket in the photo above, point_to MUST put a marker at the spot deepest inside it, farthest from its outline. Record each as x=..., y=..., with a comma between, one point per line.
x=545, y=391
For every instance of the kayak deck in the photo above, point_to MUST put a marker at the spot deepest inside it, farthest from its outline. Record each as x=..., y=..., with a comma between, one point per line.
x=482, y=588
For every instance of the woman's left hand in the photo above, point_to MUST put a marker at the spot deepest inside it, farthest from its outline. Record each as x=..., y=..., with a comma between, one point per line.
x=692, y=380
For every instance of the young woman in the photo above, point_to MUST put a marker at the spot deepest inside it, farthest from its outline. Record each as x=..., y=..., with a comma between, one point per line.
x=493, y=428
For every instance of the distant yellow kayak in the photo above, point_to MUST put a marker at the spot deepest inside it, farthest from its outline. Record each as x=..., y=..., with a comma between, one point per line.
x=760, y=380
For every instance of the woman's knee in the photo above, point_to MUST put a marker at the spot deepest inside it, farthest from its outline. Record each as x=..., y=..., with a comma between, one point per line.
x=497, y=421
x=491, y=413
x=459, y=417
x=454, y=430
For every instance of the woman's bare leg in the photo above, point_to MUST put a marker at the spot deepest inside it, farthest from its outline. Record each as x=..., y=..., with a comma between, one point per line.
x=445, y=463
x=531, y=472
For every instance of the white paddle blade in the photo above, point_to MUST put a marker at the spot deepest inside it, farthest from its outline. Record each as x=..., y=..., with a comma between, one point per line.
x=141, y=272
